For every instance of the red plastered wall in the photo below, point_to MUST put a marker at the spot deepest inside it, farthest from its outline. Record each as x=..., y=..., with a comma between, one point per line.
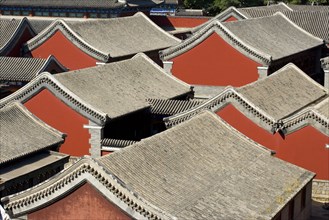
x=304, y=147
x=84, y=203
x=65, y=52
x=55, y=113
x=215, y=62
x=231, y=18
x=164, y=21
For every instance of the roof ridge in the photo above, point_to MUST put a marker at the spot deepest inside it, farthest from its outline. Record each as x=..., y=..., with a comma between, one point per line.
x=46, y=80
x=228, y=96
x=148, y=59
x=205, y=32
x=285, y=5
x=48, y=61
x=139, y=13
x=63, y=27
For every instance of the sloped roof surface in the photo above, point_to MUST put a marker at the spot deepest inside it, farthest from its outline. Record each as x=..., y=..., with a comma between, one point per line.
x=204, y=169
x=123, y=87
x=308, y=7
x=64, y=3
x=123, y=36
x=284, y=92
x=19, y=68
x=22, y=133
x=170, y=107
x=273, y=35
x=314, y=22
x=7, y=29
x=262, y=11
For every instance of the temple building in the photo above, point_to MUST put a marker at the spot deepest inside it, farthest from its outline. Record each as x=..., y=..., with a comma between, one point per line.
x=185, y=173
x=107, y=101
x=286, y=112
x=241, y=52
x=80, y=44
x=28, y=150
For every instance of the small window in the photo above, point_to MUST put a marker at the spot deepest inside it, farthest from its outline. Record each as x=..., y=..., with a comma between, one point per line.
x=72, y=14
x=25, y=13
x=7, y=12
x=55, y=14
x=103, y=15
x=62, y=14
x=46, y=14
x=80, y=15
x=93, y=15
x=38, y=13
x=16, y=13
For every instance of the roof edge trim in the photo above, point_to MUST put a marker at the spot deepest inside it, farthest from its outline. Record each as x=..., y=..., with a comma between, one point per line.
x=60, y=25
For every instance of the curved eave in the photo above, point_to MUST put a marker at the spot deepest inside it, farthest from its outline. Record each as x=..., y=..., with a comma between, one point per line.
x=308, y=117
x=222, y=31
x=62, y=184
x=49, y=60
x=60, y=25
x=18, y=33
x=46, y=80
x=228, y=96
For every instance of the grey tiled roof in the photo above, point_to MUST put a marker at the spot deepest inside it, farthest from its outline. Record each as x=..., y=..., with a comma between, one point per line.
x=204, y=169
x=116, y=142
x=39, y=24
x=262, y=11
x=262, y=39
x=123, y=87
x=315, y=22
x=9, y=30
x=143, y=3
x=309, y=7
x=115, y=37
x=273, y=35
x=22, y=68
x=64, y=3
x=170, y=107
x=284, y=92
x=22, y=133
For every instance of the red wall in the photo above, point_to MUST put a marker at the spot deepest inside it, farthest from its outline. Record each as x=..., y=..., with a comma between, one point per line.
x=164, y=21
x=215, y=62
x=231, y=18
x=65, y=52
x=304, y=147
x=84, y=203
x=61, y=117
x=16, y=50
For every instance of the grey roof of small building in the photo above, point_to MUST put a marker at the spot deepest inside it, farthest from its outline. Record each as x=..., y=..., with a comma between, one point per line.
x=22, y=133
x=9, y=29
x=23, y=69
x=143, y=3
x=123, y=87
x=283, y=93
x=64, y=3
x=170, y=107
x=274, y=35
x=116, y=142
x=314, y=22
x=205, y=169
